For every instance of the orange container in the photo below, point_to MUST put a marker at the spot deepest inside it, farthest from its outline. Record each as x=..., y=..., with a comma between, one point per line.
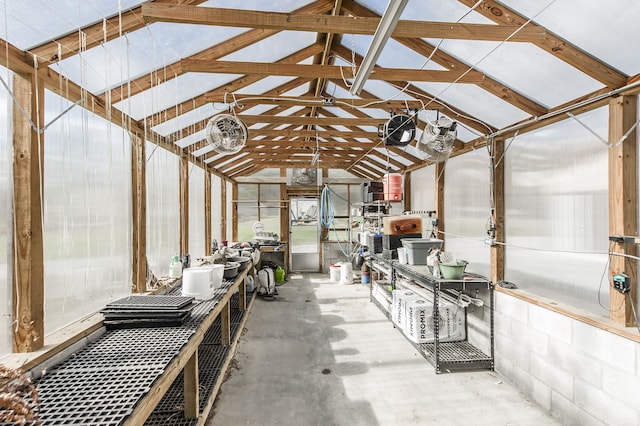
x=392, y=186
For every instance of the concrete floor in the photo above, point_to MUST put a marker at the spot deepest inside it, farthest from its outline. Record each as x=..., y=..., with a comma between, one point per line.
x=322, y=354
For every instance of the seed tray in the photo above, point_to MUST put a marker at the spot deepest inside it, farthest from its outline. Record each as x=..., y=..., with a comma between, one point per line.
x=98, y=397
x=153, y=302
x=126, y=323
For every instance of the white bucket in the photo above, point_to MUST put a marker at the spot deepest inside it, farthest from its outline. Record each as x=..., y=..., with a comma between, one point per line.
x=346, y=273
x=402, y=255
x=334, y=272
x=196, y=282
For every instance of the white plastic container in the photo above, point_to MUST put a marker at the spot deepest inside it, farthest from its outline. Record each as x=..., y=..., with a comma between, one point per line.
x=402, y=255
x=417, y=249
x=346, y=273
x=196, y=283
x=334, y=272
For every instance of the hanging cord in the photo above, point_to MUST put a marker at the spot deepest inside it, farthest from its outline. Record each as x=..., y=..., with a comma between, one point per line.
x=327, y=219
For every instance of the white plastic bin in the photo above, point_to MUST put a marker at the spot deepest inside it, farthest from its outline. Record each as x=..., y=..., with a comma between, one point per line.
x=417, y=249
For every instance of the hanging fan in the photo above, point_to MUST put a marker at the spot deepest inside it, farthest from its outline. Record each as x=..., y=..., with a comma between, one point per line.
x=437, y=139
x=226, y=133
x=398, y=131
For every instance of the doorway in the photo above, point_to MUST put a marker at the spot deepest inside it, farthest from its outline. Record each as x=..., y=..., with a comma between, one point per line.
x=304, y=234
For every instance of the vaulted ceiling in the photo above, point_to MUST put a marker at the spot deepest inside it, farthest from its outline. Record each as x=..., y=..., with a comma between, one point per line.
x=165, y=67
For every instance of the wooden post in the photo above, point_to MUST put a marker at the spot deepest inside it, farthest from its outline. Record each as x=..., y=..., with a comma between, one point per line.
x=407, y=192
x=184, y=204
x=191, y=388
x=439, y=201
x=207, y=212
x=28, y=252
x=497, y=250
x=139, y=213
x=234, y=212
x=623, y=201
x=223, y=209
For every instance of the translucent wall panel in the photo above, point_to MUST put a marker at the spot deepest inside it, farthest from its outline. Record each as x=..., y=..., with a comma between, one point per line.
x=163, y=208
x=270, y=207
x=467, y=209
x=196, y=212
x=6, y=184
x=557, y=211
x=423, y=188
x=229, y=208
x=87, y=213
x=216, y=208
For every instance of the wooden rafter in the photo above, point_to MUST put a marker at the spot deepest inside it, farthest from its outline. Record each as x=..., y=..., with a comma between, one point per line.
x=109, y=29
x=553, y=44
x=451, y=63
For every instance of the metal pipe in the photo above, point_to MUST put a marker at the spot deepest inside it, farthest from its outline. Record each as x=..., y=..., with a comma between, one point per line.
x=563, y=110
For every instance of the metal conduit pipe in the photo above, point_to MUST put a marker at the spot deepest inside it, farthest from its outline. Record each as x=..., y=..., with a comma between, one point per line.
x=564, y=110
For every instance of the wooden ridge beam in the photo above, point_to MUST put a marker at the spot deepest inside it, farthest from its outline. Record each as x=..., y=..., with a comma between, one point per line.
x=326, y=71
x=337, y=24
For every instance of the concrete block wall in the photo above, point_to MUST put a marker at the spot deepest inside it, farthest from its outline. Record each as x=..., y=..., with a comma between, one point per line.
x=581, y=374
x=331, y=253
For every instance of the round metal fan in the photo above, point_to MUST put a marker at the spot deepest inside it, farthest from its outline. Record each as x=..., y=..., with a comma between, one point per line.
x=226, y=133
x=437, y=139
x=398, y=131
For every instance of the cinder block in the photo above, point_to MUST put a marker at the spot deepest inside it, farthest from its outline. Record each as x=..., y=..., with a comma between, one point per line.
x=516, y=309
x=541, y=393
x=605, y=347
x=514, y=351
x=551, y=323
x=604, y=408
x=622, y=386
x=551, y=375
x=504, y=367
x=502, y=324
x=576, y=363
x=536, y=341
x=522, y=380
x=568, y=414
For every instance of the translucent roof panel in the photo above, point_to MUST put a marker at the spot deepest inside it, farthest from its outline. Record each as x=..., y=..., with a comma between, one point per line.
x=274, y=48
x=27, y=24
x=267, y=6
x=607, y=31
x=531, y=71
x=184, y=120
x=474, y=101
x=394, y=54
x=449, y=11
x=177, y=90
x=153, y=48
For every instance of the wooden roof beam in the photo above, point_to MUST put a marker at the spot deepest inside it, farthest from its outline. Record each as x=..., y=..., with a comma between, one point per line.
x=249, y=100
x=326, y=71
x=336, y=24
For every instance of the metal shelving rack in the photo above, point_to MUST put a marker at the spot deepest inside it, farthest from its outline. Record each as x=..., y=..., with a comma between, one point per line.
x=446, y=356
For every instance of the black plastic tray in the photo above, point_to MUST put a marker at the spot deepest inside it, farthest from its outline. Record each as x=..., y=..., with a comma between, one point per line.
x=155, y=302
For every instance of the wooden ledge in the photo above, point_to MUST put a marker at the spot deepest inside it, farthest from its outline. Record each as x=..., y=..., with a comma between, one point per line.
x=577, y=314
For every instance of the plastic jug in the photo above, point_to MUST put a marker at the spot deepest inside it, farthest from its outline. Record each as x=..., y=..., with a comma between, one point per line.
x=175, y=267
x=279, y=274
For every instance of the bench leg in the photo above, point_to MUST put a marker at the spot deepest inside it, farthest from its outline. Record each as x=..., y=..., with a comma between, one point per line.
x=225, y=324
x=191, y=384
